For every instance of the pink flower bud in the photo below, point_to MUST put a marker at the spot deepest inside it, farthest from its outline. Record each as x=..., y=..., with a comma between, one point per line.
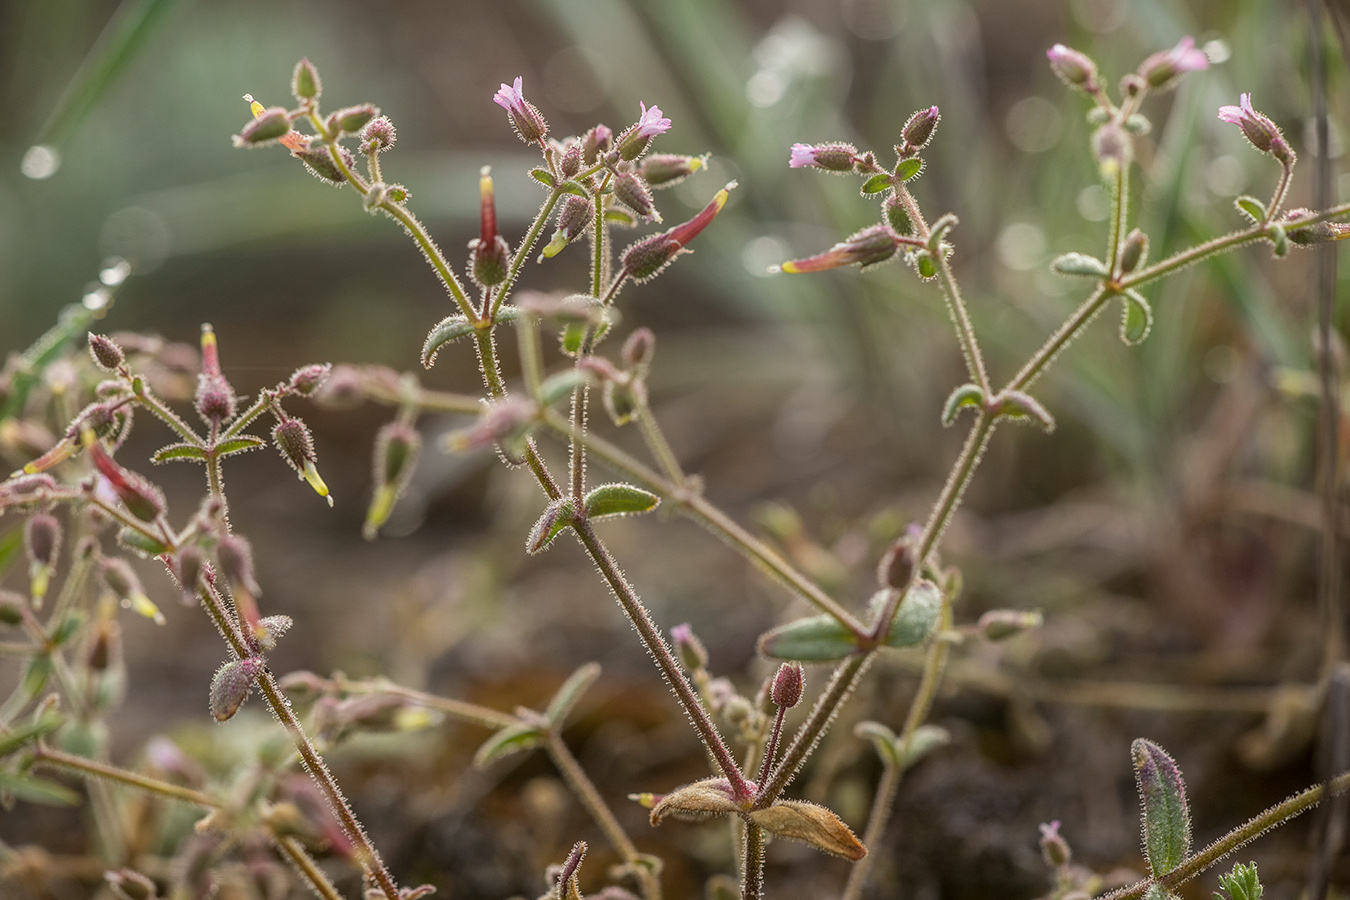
x=106, y=353
x=570, y=164
x=638, y=349
x=919, y=128
x=306, y=380
x=231, y=684
x=526, y=120
x=235, y=555
x=1075, y=69
x=1263, y=134
x=1317, y=233
x=868, y=247
x=597, y=142
x=787, y=685
x=1054, y=848
x=321, y=165
x=1163, y=70
x=378, y=135
x=693, y=655
x=351, y=119
x=638, y=137
x=632, y=193
x=832, y=157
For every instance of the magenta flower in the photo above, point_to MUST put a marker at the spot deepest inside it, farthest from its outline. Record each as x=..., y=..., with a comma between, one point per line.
x=1264, y=134
x=637, y=138
x=1163, y=70
x=1075, y=69
x=650, y=123
x=833, y=157
x=527, y=121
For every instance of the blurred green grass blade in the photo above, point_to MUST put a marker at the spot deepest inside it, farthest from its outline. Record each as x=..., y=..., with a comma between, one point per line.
x=122, y=39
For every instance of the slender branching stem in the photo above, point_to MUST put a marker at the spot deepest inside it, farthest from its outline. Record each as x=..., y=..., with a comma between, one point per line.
x=309, y=870
x=456, y=709
x=523, y=251
x=657, y=444
x=45, y=754
x=1066, y=332
x=1120, y=215
x=752, y=873
x=665, y=660
x=882, y=802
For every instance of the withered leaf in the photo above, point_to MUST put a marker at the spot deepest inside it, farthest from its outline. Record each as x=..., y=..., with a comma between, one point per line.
x=812, y=824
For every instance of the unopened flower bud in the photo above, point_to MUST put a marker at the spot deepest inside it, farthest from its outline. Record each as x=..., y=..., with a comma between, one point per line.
x=296, y=445
x=1001, y=624
x=378, y=135
x=693, y=655
x=1054, y=848
x=11, y=608
x=141, y=498
x=526, y=120
x=268, y=126
x=42, y=539
x=1316, y=233
x=1112, y=148
x=231, y=684
x=638, y=349
x=214, y=400
x=1134, y=252
x=351, y=119
x=124, y=584
x=574, y=218
x=919, y=128
x=646, y=258
x=504, y=421
x=897, y=564
x=638, y=137
x=597, y=142
x=1163, y=70
x=1075, y=69
x=321, y=165
x=305, y=83
x=832, y=157
x=866, y=248
x=738, y=710
x=787, y=685
x=306, y=380
x=569, y=163
x=235, y=555
x=632, y=193
x=491, y=257
x=669, y=169
x=188, y=567
x=396, y=450
x=106, y=353
x=269, y=630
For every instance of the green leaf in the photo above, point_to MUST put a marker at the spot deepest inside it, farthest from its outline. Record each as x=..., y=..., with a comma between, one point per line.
x=11, y=544
x=179, y=451
x=26, y=734
x=511, y=739
x=917, y=616
x=1254, y=209
x=1080, y=264
x=35, y=674
x=140, y=543
x=926, y=739
x=570, y=692
x=37, y=790
x=451, y=328
x=1278, y=238
x=1165, y=812
x=574, y=187
x=508, y=313
x=1021, y=405
x=883, y=740
x=1136, y=319
x=959, y=399
x=1242, y=883
x=561, y=385
x=876, y=184
x=619, y=217
x=67, y=628
x=927, y=268
x=241, y=444
x=617, y=499
x=543, y=176
x=813, y=639
x=908, y=168
x=117, y=47
x=556, y=517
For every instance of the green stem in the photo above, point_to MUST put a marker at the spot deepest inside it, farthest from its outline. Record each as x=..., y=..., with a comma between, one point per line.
x=657, y=443
x=1066, y=332
x=1120, y=211
x=698, y=508
x=665, y=660
x=309, y=870
x=882, y=802
x=526, y=245
x=1254, y=827
x=752, y=875
x=51, y=756
x=458, y=709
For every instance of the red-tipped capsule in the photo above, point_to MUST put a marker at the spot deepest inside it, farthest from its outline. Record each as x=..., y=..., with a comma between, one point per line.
x=868, y=247
x=215, y=400
x=491, y=257
x=648, y=257
x=141, y=498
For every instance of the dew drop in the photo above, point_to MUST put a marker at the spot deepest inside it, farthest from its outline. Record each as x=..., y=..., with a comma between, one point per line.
x=115, y=271
x=40, y=161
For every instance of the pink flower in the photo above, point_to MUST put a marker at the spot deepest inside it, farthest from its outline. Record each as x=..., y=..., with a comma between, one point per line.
x=637, y=138
x=527, y=121
x=1163, y=70
x=1075, y=69
x=1263, y=134
x=833, y=157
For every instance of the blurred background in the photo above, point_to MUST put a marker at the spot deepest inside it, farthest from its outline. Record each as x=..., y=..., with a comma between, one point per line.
x=1167, y=530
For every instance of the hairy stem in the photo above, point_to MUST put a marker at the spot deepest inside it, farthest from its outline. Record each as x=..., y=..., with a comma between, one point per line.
x=59, y=758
